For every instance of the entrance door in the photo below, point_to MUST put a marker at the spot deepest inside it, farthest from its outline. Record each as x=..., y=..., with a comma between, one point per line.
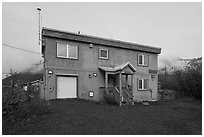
x=111, y=81
x=66, y=87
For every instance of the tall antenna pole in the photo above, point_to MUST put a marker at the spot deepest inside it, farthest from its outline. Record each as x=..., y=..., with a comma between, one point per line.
x=39, y=25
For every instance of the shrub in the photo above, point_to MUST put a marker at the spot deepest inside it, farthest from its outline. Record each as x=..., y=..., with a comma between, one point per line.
x=18, y=104
x=110, y=97
x=110, y=100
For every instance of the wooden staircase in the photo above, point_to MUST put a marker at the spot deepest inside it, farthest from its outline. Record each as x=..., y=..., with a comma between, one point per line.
x=126, y=97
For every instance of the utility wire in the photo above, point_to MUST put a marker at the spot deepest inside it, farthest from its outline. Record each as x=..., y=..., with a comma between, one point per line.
x=21, y=49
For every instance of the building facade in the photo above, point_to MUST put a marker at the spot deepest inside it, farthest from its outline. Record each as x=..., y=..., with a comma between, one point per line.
x=86, y=67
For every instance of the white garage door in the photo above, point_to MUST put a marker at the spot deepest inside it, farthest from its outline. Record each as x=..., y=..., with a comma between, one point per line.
x=66, y=87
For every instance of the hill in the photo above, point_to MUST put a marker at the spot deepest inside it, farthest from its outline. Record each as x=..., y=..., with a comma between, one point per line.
x=171, y=64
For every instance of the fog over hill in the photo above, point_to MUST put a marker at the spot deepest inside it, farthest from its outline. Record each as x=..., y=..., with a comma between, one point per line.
x=174, y=63
x=34, y=68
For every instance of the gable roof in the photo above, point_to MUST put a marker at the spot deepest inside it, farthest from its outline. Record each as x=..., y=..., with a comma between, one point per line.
x=117, y=68
x=98, y=40
x=121, y=67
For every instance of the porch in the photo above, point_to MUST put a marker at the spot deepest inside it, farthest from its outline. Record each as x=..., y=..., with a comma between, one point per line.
x=118, y=83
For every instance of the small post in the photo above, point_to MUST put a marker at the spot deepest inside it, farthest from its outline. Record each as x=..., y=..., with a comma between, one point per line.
x=106, y=81
x=120, y=88
x=132, y=77
x=132, y=83
x=126, y=81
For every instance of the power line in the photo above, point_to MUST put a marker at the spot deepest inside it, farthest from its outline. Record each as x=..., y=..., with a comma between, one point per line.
x=21, y=49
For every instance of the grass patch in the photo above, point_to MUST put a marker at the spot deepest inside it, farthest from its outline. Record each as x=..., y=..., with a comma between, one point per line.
x=80, y=117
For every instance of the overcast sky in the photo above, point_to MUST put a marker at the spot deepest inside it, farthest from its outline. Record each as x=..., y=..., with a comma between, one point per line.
x=175, y=27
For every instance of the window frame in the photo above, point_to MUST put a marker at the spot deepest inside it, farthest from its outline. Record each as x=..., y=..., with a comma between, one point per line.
x=100, y=53
x=143, y=81
x=143, y=60
x=67, y=45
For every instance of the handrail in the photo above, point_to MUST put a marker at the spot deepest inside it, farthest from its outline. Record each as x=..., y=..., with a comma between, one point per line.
x=129, y=97
x=126, y=98
x=117, y=90
x=120, y=94
x=128, y=93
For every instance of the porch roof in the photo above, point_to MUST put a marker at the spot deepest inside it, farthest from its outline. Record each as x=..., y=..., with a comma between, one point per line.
x=109, y=69
x=117, y=68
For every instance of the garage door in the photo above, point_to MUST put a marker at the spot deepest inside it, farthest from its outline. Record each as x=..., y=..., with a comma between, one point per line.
x=66, y=87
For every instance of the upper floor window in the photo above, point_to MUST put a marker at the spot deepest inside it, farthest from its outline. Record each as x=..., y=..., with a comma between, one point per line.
x=67, y=51
x=142, y=84
x=143, y=60
x=103, y=53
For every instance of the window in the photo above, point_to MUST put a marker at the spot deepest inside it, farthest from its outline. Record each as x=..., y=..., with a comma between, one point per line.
x=142, y=84
x=72, y=51
x=61, y=50
x=103, y=53
x=143, y=60
x=67, y=51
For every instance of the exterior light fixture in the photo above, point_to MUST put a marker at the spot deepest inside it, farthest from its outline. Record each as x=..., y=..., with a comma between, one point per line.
x=50, y=72
x=91, y=93
x=95, y=74
x=90, y=45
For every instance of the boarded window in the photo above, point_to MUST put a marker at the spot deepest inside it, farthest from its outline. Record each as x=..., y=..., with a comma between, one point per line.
x=67, y=50
x=103, y=53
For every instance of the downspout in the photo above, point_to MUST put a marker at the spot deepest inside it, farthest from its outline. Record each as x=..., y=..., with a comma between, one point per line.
x=151, y=93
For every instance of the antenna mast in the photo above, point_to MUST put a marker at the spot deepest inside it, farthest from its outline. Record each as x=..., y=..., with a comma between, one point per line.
x=39, y=25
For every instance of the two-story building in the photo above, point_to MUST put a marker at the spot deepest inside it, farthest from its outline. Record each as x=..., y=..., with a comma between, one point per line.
x=89, y=67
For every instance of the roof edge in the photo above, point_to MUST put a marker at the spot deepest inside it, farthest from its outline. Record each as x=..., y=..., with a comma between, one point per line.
x=102, y=38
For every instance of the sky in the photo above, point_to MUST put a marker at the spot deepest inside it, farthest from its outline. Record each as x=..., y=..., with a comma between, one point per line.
x=174, y=27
